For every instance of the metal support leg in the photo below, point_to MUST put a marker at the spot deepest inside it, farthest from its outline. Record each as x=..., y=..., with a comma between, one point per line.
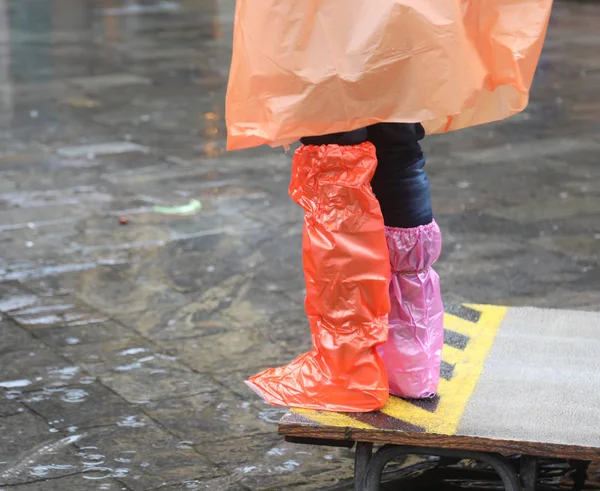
x=371, y=479
x=362, y=459
x=529, y=470
x=580, y=474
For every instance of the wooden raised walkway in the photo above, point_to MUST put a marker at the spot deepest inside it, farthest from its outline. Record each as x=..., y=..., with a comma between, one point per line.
x=514, y=381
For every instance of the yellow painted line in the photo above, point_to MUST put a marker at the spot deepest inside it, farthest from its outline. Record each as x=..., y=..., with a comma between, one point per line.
x=453, y=355
x=438, y=422
x=482, y=307
x=456, y=324
x=444, y=386
x=333, y=419
x=405, y=411
x=466, y=375
x=455, y=394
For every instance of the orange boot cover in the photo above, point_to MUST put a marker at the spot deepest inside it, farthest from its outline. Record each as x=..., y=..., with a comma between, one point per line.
x=346, y=267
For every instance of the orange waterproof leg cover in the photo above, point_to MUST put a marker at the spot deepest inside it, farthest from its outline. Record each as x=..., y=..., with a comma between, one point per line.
x=346, y=267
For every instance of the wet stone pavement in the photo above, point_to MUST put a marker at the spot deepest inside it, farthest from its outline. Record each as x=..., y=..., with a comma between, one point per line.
x=123, y=346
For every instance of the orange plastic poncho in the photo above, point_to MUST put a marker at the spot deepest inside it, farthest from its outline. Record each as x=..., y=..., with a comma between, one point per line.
x=313, y=67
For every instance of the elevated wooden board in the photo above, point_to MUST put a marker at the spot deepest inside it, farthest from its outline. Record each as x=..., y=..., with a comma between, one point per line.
x=514, y=380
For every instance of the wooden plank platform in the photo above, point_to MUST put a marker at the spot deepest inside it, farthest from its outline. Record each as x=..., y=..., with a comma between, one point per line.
x=515, y=380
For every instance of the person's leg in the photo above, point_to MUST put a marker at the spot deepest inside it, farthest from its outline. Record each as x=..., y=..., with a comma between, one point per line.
x=400, y=182
x=412, y=353
x=346, y=267
x=347, y=138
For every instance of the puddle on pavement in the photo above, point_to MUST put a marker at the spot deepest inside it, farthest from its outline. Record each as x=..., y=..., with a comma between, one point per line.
x=12, y=384
x=44, y=309
x=96, y=466
x=72, y=396
x=37, y=463
x=17, y=274
x=131, y=422
x=271, y=415
x=32, y=318
x=16, y=302
x=44, y=470
x=66, y=373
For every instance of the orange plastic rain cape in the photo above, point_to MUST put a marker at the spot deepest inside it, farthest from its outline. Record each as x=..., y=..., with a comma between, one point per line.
x=313, y=67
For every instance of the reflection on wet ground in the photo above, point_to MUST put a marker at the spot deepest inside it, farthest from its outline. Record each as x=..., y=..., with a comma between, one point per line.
x=432, y=474
x=144, y=272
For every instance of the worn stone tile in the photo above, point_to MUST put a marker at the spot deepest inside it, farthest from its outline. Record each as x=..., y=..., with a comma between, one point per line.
x=14, y=337
x=282, y=272
x=210, y=267
x=525, y=152
x=227, y=483
x=126, y=241
x=236, y=303
x=579, y=247
x=155, y=380
x=248, y=454
x=35, y=368
x=47, y=287
x=48, y=470
x=281, y=214
x=77, y=407
x=212, y=416
x=211, y=310
x=291, y=327
x=235, y=382
x=477, y=254
x=16, y=430
x=137, y=371
x=9, y=288
x=56, y=316
x=131, y=290
x=512, y=283
x=568, y=297
x=267, y=461
x=262, y=300
x=103, y=82
x=50, y=459
x=221, y=241
x=64, y=336
x=36, y=248
x=111, y=354
x=100, y=149
x=272, y=482
x=15, y=300
x=188, y=321
x=549, y=209
x=237, y=349
x=10, y=407
x=71, y=483
x=144, y=456
x=46, y=312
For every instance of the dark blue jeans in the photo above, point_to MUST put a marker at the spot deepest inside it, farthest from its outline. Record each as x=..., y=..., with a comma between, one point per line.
x=400, y=183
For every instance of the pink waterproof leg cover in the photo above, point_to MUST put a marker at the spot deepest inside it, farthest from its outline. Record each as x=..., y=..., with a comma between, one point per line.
x=413, y=352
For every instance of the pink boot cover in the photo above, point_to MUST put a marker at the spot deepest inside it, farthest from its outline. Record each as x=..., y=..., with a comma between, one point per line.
x=413, y=351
